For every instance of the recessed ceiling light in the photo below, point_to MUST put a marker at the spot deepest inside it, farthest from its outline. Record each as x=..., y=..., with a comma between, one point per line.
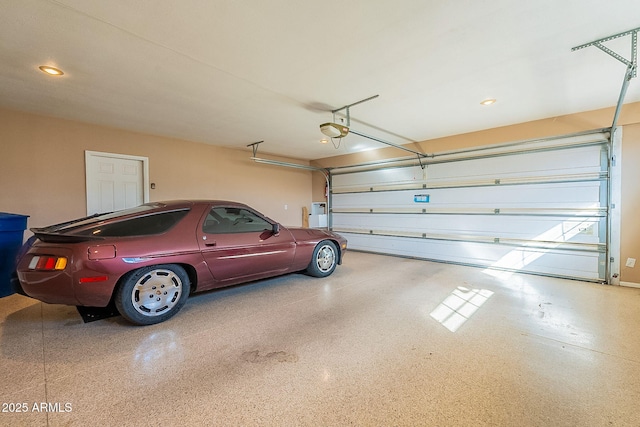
x=324, y=141
x=51, y=70
x=488, y=101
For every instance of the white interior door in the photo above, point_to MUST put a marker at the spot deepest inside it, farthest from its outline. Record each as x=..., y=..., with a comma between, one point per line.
x=115, y=181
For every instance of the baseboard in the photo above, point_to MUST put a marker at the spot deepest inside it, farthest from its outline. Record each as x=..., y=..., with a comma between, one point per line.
x=630, y=284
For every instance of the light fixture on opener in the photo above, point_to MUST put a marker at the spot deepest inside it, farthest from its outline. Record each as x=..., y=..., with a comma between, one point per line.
x=334, y=130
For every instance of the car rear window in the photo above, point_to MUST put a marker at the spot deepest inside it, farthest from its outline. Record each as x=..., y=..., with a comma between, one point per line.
x=94, y=219
x=138, y=226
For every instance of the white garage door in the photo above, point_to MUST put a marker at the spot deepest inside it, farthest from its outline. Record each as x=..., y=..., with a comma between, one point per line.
x=537, y=206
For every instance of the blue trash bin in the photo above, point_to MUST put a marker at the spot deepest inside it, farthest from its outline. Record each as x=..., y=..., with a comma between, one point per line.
x=12, y=228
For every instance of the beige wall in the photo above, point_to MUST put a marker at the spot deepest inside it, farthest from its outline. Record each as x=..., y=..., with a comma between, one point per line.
x=629, y=119
x=42, y=170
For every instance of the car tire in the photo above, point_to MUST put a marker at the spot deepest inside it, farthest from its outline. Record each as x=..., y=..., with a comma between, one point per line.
x=324, y=259
x=152, y=294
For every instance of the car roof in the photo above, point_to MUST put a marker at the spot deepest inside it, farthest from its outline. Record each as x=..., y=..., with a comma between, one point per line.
x=176, y=204
x=151, y=208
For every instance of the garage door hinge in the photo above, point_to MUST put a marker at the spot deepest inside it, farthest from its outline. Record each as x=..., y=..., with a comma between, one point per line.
x=612, y=259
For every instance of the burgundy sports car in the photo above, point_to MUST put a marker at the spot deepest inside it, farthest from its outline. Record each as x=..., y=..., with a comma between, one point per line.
x=147, y=260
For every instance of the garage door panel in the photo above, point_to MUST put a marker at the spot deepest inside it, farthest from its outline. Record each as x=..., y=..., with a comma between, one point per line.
x=583, y=160
x=571, y=264
x=574, y=195
x=585, y=229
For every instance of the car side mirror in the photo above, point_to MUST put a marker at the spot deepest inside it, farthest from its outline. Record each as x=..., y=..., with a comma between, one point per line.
x=275, y=229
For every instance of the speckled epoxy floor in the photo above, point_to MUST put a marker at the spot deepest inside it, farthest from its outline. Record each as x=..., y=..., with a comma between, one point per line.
x=384, y=341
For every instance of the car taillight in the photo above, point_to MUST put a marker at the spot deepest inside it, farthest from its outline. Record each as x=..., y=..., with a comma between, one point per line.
x=47, y=263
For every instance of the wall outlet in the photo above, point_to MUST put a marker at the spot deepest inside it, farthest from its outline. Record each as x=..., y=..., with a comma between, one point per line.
x=631, y=262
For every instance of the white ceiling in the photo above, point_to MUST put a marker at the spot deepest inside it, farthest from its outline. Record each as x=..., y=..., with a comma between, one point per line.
x=235, y=72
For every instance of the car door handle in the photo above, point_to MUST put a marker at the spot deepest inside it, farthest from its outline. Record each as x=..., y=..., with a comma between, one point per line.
x=208, y=242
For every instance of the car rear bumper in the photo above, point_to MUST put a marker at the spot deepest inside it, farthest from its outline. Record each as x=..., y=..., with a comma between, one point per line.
x=61, y=288
x=50, y=287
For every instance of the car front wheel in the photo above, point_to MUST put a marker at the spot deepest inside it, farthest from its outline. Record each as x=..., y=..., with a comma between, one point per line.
x=152, y=294
x=323, y=260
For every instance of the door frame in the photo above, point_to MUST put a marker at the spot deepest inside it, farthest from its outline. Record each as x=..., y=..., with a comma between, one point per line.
x=614, y=225
x=145, y=171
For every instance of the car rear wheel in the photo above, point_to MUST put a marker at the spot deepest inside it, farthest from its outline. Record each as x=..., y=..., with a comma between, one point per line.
x=153, y=294
x=323, y=260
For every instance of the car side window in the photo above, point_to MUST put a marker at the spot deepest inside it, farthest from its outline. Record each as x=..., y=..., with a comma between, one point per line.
x=223, y=220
